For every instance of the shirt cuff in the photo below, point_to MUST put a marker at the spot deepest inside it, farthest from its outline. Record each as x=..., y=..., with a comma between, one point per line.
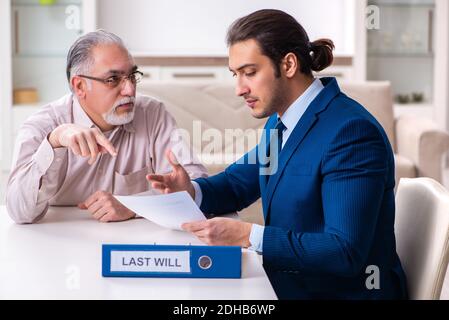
x=45, y=156
x=198, y=193
x=256, y=238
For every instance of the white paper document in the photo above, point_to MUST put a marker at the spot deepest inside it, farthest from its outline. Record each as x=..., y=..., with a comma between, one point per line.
x=167, y=210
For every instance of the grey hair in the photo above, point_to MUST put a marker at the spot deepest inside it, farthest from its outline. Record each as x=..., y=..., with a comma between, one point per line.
x=79, y=58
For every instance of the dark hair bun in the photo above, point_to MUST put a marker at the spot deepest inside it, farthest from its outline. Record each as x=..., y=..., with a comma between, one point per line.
x=322, y=56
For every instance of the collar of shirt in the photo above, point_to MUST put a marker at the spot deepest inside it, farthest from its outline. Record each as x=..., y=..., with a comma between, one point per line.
x=291, y=117
x=80, y=117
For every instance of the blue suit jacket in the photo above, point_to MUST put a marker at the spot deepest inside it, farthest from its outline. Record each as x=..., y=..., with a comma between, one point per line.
x=329, y=209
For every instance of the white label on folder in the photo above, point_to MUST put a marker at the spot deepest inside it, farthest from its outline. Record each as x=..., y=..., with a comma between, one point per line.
x=150, y=261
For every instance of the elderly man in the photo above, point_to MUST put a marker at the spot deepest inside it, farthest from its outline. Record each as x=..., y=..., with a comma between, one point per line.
x=97, y=141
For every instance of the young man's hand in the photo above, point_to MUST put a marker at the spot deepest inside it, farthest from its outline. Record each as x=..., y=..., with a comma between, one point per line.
x=221, y=232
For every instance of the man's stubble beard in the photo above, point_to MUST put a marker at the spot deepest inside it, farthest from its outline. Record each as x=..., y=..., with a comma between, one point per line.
x=277, y=101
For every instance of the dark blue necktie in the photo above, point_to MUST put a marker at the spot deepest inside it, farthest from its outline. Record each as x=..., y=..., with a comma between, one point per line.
x=279, y=130
x=277, y=134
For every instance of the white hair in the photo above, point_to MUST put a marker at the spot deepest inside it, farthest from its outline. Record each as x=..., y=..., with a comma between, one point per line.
x=79, y=57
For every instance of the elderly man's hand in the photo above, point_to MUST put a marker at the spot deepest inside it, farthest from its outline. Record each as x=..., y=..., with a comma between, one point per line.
x=221, y=232
x=177, y=180
x=84, y=142
x=105, y=208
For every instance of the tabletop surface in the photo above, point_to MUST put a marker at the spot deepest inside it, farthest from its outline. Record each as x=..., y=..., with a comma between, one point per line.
x=60, y=258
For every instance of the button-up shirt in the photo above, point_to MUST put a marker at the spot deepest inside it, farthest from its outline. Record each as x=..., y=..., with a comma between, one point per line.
x=42, y=176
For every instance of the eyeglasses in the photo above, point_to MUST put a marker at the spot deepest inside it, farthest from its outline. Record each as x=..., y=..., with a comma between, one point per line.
x=114, y=81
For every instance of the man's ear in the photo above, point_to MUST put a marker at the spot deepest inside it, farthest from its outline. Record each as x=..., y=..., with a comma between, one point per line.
x=290, y=65
x=79, y=87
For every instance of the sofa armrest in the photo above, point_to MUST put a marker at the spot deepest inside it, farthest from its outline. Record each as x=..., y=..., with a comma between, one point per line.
x=424, y=143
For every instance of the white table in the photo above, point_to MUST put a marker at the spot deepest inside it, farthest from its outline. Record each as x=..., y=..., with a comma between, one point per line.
x=60, y=258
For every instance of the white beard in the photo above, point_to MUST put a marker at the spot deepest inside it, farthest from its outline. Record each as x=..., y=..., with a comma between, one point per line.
x=112, y=118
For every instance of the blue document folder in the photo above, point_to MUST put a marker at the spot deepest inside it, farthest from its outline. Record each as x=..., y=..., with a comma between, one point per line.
x=166, y=261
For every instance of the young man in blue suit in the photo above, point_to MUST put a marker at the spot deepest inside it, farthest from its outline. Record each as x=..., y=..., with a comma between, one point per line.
x=325, y=173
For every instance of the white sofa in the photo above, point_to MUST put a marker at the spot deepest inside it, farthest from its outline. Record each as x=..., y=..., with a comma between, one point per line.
x=418, y=144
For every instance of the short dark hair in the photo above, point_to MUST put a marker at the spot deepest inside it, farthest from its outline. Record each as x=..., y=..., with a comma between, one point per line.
x=278, y=34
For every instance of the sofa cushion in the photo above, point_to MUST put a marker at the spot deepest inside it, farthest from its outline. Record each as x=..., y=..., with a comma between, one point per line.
x=209, y=110
x=217, y=106
x=377, y=98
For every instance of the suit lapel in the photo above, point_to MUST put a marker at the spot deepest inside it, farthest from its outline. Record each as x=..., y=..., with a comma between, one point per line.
x=301, y=130
x=298, y=134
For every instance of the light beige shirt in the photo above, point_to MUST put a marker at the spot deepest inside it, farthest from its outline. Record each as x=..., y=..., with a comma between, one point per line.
x=42, y=176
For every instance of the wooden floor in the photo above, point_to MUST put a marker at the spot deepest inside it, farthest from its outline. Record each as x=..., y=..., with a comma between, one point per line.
x=445, y=291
